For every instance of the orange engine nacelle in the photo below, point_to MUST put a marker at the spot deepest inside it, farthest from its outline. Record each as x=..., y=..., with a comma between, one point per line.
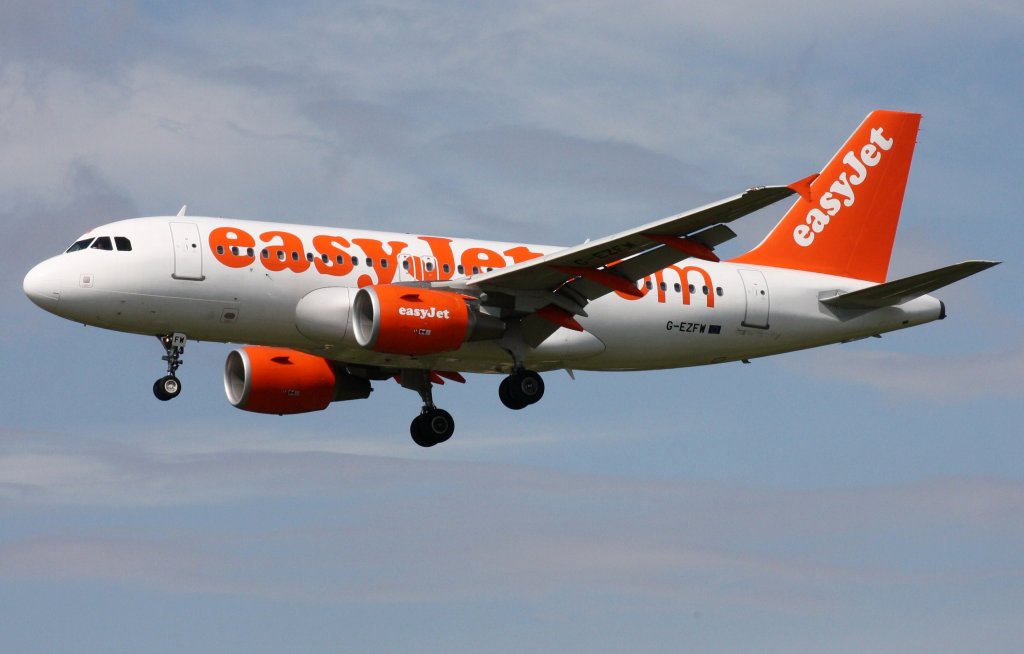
x=414, y=321
x=276, y=380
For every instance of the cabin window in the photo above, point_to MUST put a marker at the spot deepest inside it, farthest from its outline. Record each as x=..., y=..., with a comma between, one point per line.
x=718, y=291
x=102, y=243
x=476, y=270
x=79, y=245
x=405, y=264
x=383, y=263
x=369, y=262
x=704, y=289
x=663, y=286
x=692, y=288
x=309, y=257
x=123, y=244
x=234, y=249
x=461, y=269
x=281, y=255
x=446, y=268
x=678, y=287
x=429, y=266
x=220, y=249
x=251, y=252
x=295, y=255
x=649, y=285
x=264, y=253
x=355, y=261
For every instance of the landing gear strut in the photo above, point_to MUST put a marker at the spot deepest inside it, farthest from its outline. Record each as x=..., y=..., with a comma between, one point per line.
x=521, y=389
x=432, y=426
x=168, y=387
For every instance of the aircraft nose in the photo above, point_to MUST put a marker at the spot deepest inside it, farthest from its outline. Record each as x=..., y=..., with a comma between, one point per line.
x=42, y=285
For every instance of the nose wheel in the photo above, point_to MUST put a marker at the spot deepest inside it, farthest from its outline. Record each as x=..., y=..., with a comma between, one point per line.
x=168, y=387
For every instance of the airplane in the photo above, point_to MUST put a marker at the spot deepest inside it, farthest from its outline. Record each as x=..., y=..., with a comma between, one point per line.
x=326, y=311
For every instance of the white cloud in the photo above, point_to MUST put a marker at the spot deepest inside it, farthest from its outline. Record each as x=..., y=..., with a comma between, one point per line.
x=338, y=527
x=170, y=565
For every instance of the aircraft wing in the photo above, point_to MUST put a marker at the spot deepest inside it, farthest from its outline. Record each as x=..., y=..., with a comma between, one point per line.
x=642, y=250
x=548, y=292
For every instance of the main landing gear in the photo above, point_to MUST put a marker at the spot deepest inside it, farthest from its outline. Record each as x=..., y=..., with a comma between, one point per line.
x=521, y=389
x=168, y=387
x=433, y=425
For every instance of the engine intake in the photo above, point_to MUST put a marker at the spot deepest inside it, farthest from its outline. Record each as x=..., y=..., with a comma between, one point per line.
x=276, y=380
x=413, y=321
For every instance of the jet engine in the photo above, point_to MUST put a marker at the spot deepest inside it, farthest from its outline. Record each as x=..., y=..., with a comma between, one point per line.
x=414, y=321
x=276, y=380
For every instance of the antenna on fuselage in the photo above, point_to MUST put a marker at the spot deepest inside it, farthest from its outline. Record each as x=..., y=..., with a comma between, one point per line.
x=181, y=214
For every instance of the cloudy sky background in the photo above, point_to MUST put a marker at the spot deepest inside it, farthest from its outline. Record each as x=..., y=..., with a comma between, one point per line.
x=865, y=497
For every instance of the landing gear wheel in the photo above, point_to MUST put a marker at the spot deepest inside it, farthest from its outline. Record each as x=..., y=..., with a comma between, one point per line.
x=524, y=387
x=167, y=388
x=432, y=427
x=506, y=398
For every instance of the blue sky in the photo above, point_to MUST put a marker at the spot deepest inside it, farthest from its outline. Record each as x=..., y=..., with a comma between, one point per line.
x=864, y=497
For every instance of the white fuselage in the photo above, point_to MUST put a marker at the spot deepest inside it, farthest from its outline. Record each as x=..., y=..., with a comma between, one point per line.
x=175, y=279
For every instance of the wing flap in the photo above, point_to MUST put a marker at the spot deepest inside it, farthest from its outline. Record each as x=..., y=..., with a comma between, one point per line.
x=906, y=289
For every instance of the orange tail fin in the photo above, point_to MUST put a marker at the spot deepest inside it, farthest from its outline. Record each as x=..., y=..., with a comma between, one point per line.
x=846, y=224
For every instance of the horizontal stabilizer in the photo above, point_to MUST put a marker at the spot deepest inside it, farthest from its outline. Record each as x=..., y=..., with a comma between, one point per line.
x=908, y=288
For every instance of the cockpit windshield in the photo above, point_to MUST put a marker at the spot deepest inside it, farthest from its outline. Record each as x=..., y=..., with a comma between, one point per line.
x=120, y=243
x=79, y=245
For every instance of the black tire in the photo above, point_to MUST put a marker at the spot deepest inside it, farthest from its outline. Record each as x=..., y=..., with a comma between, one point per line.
x=440, y=425
x=167, y=388
x=432, y=427
x=525, y=387
x=419, y=434
x=506, y=398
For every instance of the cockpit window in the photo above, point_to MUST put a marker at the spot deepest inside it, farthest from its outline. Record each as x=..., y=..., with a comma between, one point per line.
x=122, y=244
x=79, y=245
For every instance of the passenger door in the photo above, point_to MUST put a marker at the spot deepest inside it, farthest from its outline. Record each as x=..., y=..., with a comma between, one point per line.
x=188, y=251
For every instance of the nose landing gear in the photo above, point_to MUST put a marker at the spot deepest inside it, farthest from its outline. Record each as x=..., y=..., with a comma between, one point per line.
x=169, y=386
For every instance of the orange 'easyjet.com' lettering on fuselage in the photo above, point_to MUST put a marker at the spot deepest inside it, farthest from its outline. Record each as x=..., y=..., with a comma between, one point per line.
x=332, y=255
